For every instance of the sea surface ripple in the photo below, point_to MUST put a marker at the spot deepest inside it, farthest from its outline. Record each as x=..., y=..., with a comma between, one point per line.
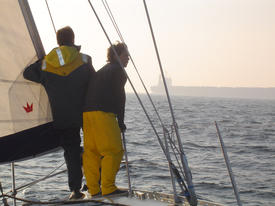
x=246, y=125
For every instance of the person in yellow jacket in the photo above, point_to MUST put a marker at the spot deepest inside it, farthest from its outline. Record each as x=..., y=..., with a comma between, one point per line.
x=103, y=122
x=65, y=74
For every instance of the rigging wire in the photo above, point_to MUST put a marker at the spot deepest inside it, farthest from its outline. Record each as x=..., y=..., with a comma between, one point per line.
x=4, y=200
x=43, y=178
x=142, y=105
x=145, y=111
x=173, y=146
x=160, y=65
x=173, y=167
x=50, y=15
x=110, y=14
x=193, y=199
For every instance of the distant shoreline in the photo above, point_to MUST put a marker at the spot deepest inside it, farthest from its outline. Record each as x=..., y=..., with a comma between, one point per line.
x=228, y=92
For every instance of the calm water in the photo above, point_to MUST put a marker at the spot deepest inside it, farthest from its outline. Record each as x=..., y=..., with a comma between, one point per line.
x=248, y=130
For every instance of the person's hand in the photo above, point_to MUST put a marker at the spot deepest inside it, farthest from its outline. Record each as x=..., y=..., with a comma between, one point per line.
x=122, y=127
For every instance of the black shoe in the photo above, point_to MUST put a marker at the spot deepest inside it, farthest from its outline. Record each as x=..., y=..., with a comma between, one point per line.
x=76, y=195
x=118, y=192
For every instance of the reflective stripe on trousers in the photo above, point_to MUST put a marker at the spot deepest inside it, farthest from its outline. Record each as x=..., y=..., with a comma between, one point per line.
x=102, y=149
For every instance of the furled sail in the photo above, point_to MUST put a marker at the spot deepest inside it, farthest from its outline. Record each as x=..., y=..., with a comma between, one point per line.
x=23, y=104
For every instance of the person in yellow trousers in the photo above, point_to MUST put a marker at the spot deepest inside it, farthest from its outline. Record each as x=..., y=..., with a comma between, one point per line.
x=103, y=122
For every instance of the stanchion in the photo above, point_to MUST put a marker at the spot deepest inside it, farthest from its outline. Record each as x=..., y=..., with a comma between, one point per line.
x=127, y=165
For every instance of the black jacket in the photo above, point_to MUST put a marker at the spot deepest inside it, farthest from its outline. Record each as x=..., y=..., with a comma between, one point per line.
x=106, y=93
x=66, y=85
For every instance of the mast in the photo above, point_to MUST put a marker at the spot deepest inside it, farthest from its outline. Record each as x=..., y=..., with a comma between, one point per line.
x=37, y=43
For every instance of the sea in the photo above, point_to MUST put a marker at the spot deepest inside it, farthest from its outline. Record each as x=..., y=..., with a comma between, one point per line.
x=247, y=127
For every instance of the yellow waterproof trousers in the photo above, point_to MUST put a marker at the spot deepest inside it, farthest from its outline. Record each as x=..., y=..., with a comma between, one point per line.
x=103, y=151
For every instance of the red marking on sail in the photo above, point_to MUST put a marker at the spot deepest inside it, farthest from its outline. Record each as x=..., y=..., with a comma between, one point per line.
x=28, y=108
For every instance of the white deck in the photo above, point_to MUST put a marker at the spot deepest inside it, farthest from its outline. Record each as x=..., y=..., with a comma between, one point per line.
x=140, y=198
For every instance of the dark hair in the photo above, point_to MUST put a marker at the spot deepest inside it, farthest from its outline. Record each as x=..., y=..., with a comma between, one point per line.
x=119, y=48
x=65, y=36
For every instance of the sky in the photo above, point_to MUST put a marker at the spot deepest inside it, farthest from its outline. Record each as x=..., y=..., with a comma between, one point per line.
x=224, y=43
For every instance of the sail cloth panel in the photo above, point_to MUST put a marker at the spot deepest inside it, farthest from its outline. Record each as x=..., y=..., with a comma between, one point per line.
x=26, y=128
x=23, y=104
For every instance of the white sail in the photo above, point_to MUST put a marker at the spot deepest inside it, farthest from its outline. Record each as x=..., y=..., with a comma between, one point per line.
x=17, y=50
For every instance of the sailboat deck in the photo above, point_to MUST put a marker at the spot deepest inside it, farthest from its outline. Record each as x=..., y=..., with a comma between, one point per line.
x=138, y=198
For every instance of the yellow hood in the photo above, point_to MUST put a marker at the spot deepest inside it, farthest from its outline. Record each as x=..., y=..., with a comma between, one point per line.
x=68, y=55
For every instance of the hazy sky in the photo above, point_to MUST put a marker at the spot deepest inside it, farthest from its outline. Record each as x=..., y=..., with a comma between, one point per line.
x=201, y=42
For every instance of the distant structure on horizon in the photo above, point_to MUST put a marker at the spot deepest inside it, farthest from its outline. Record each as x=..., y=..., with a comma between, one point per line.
x=226, y=92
